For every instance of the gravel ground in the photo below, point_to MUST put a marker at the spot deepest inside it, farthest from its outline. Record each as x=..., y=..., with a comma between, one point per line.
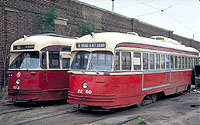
x=181, y=109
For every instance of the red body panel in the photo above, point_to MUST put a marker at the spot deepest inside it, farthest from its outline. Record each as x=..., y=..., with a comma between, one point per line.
x=38, y=85
x=113, y=91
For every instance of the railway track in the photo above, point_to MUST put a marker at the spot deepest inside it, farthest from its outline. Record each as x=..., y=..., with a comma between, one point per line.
x=35, y=113
x=46, y=116
x=16, y=110
x=62, y=113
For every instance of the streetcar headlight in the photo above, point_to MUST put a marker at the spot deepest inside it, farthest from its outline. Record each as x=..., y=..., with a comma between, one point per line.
x=85, y=85
x=17, y=81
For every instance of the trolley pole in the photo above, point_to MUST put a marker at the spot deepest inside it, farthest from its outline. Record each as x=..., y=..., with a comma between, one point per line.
x=113, y=5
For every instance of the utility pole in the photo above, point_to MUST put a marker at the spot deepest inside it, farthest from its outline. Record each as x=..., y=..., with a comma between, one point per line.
x=113, y=5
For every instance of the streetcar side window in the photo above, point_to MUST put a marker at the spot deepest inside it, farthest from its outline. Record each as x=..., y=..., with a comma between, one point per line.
x=162, y=61
x=167, y=62
x=126, y=61
x=176, y=63
x=145, y=61
x=137, y=61
x=65, y=63
x=172, y=61
x=186, y=62
x=179, y=62
x=44, y=60
x=152, y=61
x=197, y=60
x=183, y=62
x=191, y=62
x=157, y=61
x=117, y=61
x=54, y=61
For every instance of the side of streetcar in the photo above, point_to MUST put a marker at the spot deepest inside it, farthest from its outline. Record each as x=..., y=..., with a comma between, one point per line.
x=125, y=75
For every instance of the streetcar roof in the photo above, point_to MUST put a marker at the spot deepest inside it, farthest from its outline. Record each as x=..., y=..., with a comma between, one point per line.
x=113, y=39
x=41, y=41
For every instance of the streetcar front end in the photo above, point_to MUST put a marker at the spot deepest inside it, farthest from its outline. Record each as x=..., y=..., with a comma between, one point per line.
x=38, y=68
x=90, y=81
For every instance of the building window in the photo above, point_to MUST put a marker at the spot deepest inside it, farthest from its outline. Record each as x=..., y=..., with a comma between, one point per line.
x=137, y=61
x=162, y=61
x=145, y=61
x=117, y=61
x=126, y=61
x=61, y=21
x=152, y=61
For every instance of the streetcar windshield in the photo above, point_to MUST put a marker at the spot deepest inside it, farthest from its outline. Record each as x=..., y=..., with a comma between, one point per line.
x=80, y=61
x=93, y=61
x=26, y=60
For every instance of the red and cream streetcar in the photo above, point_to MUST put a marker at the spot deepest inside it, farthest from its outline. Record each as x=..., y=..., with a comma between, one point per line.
x=113, y=70
x=38, y=68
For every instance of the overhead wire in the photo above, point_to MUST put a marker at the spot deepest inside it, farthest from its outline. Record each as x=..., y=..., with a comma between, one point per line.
x=148, y=13
x=134, y=4
x=159, y=10
x=162, y=10
x=181, y=23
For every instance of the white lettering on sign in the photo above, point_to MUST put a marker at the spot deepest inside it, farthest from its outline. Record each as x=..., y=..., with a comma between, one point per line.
x=84, y=91
x=15, y=87
x=88, y=91
x=18, y=74
x=80, y=91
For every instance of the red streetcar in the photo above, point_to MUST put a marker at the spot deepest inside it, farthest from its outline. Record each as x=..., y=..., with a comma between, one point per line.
x=113, y=70
x=38, y=68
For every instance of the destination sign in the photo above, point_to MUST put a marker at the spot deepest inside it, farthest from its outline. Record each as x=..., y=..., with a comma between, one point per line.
x=21, y=47
x=91, y=45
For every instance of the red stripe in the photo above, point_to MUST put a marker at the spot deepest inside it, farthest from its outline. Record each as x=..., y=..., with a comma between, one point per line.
x=153, y=47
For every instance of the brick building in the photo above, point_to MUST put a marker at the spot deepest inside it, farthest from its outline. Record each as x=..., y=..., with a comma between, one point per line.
x=23, y=17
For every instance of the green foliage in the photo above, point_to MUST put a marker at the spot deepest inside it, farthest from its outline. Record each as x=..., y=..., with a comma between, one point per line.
x=140, y=121
x=48, y=17
x=85, y=28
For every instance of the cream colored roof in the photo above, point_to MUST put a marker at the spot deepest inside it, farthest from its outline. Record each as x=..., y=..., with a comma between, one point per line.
x=41, y=41
x=114, y=38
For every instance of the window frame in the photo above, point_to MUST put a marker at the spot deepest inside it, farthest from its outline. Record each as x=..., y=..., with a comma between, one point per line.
x=153, y=68
x=157, y=66
x=147, y=60
x=41, y=59
x=130, y=66
x=50, y=65
x=140, y=66
x=68, y=66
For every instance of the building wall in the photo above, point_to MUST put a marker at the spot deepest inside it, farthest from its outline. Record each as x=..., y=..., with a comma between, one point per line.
x=23, y=17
